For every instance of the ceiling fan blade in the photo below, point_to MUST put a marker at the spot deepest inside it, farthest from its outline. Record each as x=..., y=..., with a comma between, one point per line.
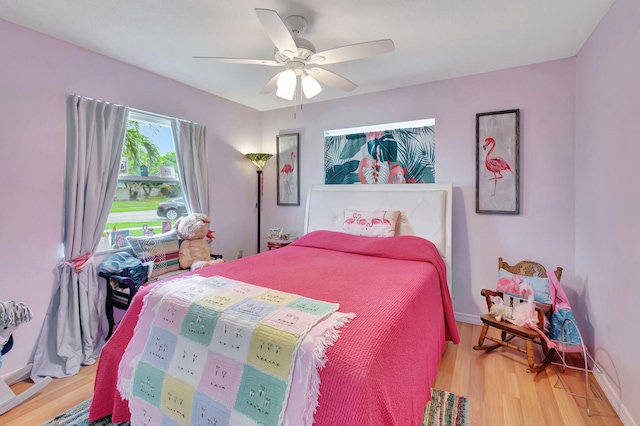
x=332, y=79
x=277, y=32
x=268, y=62
x=271, y=85
x=352, y=51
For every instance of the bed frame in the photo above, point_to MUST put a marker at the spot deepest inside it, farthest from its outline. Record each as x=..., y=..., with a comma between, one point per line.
x=425, y=210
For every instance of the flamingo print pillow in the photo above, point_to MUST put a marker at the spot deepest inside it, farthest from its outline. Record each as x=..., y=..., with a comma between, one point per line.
x=378, y=223
x=510, y=283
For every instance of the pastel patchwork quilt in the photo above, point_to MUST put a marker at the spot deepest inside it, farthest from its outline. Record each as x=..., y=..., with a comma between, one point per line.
x=215, y=351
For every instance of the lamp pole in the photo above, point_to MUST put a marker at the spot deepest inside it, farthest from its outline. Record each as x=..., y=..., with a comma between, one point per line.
x=259, y=205
x=258, y=160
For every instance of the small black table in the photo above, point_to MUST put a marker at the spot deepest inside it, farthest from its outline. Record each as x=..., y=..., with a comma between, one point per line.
x=120, y=292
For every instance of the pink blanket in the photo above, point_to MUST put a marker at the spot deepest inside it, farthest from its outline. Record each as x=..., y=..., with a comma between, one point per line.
x=381, y=369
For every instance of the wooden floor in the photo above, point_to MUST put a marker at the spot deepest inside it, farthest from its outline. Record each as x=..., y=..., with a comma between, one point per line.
x=499, y=390
x=55, y=398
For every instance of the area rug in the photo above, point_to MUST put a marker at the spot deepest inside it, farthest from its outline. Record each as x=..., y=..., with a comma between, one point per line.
x=446, y=409
x=79, y=416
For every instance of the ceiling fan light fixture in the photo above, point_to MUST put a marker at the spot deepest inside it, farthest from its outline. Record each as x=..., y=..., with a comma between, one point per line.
x=300, y=58
x=310, y=86
x=286, y=85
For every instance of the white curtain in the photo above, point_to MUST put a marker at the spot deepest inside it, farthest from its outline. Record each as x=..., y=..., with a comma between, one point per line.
x=75, y=326
x=191, y=156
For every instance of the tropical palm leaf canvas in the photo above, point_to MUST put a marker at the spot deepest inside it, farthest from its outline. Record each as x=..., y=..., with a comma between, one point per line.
x=404, y=155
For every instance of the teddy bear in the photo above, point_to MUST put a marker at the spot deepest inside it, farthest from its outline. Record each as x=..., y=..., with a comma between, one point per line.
x=194, y=232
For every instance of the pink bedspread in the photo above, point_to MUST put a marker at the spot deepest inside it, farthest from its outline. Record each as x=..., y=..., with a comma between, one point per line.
x=380, y=370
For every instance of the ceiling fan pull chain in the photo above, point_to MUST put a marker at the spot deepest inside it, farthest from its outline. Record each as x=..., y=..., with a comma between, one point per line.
x=301, y=98
x=295, y=99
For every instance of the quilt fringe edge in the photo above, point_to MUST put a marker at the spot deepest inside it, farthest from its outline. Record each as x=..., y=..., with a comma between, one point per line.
x=319, y=359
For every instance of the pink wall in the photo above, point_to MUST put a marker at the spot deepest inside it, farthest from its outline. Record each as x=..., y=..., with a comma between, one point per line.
x=578, y=162
x=607, y=207
x=36, y=73
x=544, y=231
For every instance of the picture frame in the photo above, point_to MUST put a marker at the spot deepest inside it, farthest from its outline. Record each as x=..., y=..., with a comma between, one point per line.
x=118, y=238
x=498, y=162
x=288, y=181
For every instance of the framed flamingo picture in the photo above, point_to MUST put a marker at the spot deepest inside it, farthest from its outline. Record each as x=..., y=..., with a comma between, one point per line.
x=498, y=162
x=288, y=170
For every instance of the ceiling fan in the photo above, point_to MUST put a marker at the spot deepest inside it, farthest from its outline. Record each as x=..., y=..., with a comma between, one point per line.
x=300, y=59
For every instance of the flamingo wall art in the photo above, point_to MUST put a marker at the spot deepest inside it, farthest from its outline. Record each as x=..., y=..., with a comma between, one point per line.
x=288, y=169
x=405, y=155
x=495, y=165
x=497, y=162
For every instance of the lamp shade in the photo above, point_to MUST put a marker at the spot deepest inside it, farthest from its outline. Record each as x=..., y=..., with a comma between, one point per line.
x=259, y=159
x=286, y=84
x=310, y=86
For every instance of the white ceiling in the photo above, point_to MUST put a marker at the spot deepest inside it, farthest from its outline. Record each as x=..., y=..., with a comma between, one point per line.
x=434, y=39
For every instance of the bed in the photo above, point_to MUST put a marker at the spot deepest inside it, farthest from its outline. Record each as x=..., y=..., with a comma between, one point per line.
x=380, y=369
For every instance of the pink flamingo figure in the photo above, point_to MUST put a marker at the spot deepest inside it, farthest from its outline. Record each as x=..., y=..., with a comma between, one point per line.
x=524, y=314
x=495, y=165
x=510, y=285
x=377, y=221
x=287, y=169
x=353, y=219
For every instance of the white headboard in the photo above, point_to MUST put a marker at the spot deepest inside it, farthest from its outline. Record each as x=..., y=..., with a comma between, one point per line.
x=425, y=210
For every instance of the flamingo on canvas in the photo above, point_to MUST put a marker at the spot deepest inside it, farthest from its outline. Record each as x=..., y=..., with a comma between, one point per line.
x=370, y=171
x=495, y=165
x=396, y=175
x=373, y=171
x=287, y=169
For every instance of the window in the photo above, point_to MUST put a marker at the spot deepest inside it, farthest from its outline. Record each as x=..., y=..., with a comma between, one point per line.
x=148, y=197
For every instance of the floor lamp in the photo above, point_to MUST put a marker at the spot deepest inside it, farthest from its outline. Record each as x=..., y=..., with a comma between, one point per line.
x=259, y=159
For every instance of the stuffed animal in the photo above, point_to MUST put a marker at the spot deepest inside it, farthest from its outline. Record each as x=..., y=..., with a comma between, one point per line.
x=195, y=252
x=524, y=314
x=499, y=310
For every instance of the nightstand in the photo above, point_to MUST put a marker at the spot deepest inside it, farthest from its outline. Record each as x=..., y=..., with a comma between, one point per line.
x=276, y=244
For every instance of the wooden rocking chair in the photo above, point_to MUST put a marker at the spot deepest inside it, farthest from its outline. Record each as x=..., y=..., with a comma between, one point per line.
x=509, y=331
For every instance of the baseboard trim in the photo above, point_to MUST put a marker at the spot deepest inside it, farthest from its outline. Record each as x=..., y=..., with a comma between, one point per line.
x=469, y=319
x=615, y=401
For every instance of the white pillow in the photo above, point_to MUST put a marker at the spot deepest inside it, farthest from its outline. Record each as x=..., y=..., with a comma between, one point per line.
x=378, y=223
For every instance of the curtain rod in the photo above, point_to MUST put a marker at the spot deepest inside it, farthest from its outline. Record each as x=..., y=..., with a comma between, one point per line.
x=153, y=114
x=136, y=110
